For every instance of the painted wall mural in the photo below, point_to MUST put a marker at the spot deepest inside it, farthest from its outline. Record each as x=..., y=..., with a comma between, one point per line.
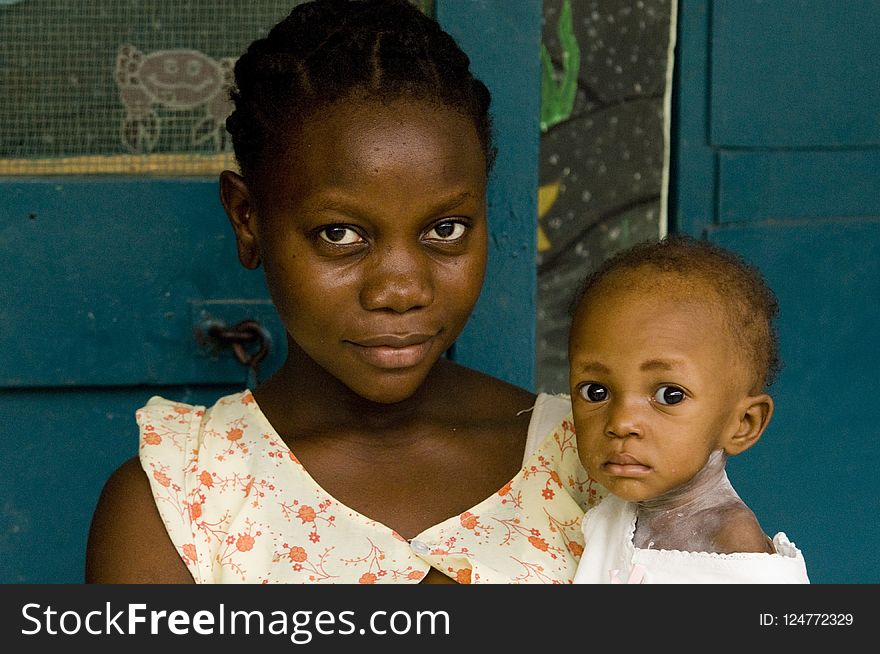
x=603, y=168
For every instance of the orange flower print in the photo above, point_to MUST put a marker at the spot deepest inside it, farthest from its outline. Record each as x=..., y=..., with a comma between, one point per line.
x=367, y=578
x=505, y=489
x=555, y=477
x=463, y=576
x=244, y=543
x=152, y=438
x=195, y=511
x=415, y=575
x=247, y=398
x=206, y=479
x=189, y=550
x=306, y=514
x=539, y=543
x=575, y=548
x=162, y=478
x=182, y=410
x=297, y=554
x=468, y=520
x=234, y=434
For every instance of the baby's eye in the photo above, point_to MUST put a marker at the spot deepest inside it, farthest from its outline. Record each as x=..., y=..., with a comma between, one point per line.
x=669, y=395
x=593, y=392
x=340, y=235
x=447, y=231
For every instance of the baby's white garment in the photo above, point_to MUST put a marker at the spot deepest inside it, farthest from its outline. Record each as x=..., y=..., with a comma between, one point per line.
x=610, y=557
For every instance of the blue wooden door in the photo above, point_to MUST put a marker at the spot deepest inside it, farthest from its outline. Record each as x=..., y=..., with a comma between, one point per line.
x=777, y=141
x=108, y=281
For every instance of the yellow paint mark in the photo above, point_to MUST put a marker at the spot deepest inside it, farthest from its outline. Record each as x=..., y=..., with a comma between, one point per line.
x=544, y=243
x=547, y=195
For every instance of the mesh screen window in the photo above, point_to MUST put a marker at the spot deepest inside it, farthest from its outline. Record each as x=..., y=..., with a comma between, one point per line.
x=122, y=86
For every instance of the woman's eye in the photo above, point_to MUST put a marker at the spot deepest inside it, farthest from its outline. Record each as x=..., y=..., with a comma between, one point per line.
x=339, y=235
x=669, y=395
x=447, y=231
x=594, y=392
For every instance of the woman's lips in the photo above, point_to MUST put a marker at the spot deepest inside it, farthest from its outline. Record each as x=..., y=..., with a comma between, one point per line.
x=625, y=465
x=392, y=351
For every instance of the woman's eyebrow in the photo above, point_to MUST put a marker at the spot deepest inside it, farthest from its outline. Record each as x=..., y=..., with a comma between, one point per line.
x=353, y=207
x=452, y=202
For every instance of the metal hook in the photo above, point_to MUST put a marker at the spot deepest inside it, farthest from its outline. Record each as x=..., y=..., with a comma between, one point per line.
x=245, y=332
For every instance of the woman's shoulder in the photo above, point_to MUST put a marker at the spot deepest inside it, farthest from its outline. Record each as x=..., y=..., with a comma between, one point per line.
x=127, y=540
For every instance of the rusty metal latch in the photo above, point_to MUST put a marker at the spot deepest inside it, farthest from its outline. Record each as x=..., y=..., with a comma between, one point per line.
x=248, y=340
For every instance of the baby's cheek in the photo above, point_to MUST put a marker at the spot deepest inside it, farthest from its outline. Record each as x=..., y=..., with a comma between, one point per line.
x=593, y=457
x=593, y=465
x=588, y=453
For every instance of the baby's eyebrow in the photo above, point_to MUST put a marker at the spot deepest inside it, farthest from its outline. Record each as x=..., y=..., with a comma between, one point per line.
x=592, y=366
x=659, y=364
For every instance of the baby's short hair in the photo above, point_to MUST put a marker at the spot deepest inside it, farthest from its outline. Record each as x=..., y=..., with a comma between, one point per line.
x=748, y=302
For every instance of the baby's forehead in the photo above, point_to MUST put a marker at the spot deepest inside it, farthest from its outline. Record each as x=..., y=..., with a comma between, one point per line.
x=647, y=281
x=705, y=303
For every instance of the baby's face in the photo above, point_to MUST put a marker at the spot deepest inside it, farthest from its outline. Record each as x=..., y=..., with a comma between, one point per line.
x=655, y=382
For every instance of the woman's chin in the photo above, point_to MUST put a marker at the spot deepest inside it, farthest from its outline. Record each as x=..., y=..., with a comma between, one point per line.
x=390, y=388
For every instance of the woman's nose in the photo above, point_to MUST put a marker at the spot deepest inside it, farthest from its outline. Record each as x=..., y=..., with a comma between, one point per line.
x=397, y=279
x=623, y=419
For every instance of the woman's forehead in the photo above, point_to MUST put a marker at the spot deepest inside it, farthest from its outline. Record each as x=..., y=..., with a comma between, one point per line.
x=404, y=144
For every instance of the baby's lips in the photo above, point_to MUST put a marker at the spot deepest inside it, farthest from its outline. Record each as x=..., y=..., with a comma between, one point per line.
x=624, y=460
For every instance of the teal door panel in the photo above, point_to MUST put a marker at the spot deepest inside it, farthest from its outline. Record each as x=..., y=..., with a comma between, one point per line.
x=813, y=473
x=776, y=155
x=112, y=282
x=115, y=278
x=57, y=447
x=756, y=185
x=795, y=73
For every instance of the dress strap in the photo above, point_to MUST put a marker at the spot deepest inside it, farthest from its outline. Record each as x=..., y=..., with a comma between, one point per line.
x=547, y=413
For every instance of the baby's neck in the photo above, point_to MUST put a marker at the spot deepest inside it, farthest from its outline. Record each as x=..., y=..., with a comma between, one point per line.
x=702, y=490
x=685, y=517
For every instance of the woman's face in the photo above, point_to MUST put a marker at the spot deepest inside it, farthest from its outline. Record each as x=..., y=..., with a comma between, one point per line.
x=372, y=231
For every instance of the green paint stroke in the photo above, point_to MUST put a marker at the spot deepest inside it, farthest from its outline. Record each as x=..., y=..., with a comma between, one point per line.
x=557, y=98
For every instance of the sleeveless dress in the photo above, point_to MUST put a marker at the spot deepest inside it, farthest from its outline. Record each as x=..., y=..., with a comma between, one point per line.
x=611, y=557
x=240, y=508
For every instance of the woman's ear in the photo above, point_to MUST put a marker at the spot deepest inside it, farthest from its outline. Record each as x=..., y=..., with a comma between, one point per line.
x=237, y=201
x=754, y=414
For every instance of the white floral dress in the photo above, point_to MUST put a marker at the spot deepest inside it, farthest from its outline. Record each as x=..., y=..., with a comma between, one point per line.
x=240, y=508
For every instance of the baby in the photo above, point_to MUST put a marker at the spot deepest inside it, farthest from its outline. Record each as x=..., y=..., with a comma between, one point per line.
x=671, y=349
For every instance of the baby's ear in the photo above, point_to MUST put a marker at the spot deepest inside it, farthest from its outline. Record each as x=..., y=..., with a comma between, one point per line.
x=754, y=413
x=236, y=199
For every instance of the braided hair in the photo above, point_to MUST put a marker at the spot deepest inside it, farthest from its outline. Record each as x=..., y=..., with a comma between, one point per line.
x=325, y=51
